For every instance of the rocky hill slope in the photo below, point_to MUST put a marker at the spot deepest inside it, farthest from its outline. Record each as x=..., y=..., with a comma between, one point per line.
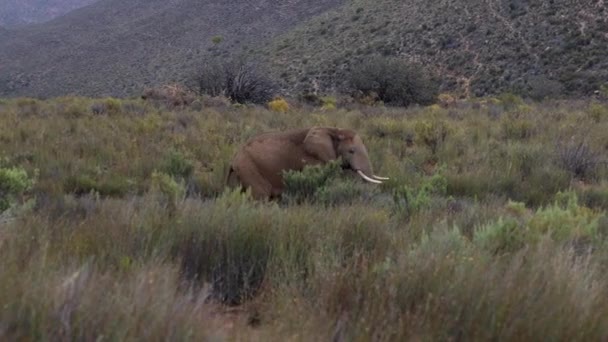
x=477, y=47
x=116, y=47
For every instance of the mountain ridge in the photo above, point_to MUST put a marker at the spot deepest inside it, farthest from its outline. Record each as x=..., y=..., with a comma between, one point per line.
x=119, y=48
x=476, y=47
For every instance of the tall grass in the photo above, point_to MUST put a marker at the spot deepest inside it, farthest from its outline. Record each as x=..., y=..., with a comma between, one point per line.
x=485, y=234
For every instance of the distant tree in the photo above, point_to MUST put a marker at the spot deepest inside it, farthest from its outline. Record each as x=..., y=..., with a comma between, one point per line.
x=394, y=81
x=241, y=80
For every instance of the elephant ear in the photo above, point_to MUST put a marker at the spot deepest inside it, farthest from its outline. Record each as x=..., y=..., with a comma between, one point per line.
x=320, y=142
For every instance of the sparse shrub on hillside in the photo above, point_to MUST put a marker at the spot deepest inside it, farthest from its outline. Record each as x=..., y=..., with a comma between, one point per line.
x=240, y=80
x=541, y=88
x=393, y=81
x=510, y=101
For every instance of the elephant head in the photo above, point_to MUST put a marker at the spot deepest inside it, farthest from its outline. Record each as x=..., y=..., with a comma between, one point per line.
x=331, y=143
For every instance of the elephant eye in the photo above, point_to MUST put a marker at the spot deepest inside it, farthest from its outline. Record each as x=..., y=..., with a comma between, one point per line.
x=351, y=150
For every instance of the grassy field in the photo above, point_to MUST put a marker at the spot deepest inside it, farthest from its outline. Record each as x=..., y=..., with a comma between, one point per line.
x=116, y=225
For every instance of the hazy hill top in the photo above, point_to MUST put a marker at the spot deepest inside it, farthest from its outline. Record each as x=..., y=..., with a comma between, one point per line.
x=476, y=46
x=22, y=12
x=116, y=47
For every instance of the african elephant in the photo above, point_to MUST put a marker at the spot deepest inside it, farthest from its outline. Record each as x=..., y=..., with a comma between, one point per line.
x=260, y=163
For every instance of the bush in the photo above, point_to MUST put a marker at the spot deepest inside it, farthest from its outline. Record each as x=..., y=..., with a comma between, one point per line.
x=541, y=88
x=394, y=81
x=564, y=221
x=176, y=164
x=278, y=105
x=502, y=236
x=301, y=186
x=171, y=96
x=432, y=133
x=14, y=182
x=408, y=200
x=240, y=80
x=169, y=191
x=578, y=158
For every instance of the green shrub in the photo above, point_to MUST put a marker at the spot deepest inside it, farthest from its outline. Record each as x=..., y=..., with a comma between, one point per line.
x=408, y=200
x=14, y=183
x=303, y=185
x=432, y=133
x=339, y=192
x=394, y=82
x=169, y=191
x=565, y=219
x=177, y=165
x=503, y=236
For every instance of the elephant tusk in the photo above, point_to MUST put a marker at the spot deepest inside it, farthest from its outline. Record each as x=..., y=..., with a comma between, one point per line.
x=380, y=178
x=367, y=178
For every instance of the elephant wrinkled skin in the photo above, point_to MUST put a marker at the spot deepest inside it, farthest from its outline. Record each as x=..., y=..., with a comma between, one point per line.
x=260, y=163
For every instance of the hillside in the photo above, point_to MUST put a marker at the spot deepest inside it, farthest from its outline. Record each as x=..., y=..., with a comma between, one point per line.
x=475, y=46
x=22, y=12
x=116, y=47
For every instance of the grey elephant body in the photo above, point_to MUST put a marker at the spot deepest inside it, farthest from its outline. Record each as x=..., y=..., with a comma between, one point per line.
x=260, y=163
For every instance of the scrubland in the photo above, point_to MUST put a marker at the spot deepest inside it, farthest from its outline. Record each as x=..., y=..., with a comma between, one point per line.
x=116, y=224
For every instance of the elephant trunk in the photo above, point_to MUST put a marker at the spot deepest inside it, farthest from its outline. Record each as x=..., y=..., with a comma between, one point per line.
x=363, y=168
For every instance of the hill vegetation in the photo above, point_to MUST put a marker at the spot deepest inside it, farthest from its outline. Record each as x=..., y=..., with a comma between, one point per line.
x=14, y=13
x=119, y=48
x=475, y=48
x=479, y=47
x=116, y=224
